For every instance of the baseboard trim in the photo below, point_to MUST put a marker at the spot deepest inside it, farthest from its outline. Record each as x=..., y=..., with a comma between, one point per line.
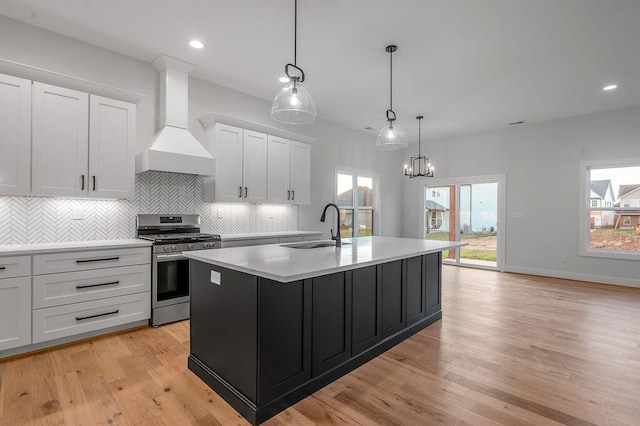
x=600, y=279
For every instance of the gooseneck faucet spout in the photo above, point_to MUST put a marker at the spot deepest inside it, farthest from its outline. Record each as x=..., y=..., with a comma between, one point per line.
x=323, y=217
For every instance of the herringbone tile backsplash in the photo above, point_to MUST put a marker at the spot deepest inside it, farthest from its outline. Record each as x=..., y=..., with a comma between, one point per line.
x=40, y=220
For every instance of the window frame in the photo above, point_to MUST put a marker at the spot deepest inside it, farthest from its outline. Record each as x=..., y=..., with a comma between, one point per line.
x=585, y=209
x=375, y=208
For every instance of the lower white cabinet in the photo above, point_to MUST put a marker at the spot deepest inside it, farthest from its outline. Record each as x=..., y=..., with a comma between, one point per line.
x=73, y=287
x=15, y=312
x=89, y=259
x=77, y=318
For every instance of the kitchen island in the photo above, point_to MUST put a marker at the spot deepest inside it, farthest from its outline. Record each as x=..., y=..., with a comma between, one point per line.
x=273, y=324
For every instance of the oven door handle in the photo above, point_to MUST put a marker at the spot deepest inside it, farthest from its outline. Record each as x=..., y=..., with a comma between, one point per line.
x=167, y=257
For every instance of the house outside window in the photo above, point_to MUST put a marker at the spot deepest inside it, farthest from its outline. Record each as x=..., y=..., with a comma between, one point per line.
x=356, y=212
x=610, y=209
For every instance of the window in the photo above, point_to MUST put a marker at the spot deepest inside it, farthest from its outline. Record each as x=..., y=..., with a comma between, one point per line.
x=610, y=213
x=355, y=197
x=435, y=193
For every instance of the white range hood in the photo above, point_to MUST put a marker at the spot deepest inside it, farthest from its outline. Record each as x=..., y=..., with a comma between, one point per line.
x=174, y=148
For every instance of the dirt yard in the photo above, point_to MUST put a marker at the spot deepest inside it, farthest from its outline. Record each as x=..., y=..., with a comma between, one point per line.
x=481, y=243
x=616, y=239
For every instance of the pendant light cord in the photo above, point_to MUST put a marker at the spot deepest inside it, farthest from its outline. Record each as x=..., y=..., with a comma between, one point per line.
x=295, y=32
x=390, y=80
x=419, y=136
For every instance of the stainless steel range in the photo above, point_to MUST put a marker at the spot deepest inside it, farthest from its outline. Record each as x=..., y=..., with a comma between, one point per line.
x=171, y=235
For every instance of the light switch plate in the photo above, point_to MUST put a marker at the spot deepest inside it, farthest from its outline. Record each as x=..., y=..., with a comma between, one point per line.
x=518, y=215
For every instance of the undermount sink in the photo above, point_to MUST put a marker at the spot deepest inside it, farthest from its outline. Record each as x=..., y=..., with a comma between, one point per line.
x=312, y=244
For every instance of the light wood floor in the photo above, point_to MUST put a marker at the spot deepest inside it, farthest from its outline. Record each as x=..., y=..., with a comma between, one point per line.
x=511, y=349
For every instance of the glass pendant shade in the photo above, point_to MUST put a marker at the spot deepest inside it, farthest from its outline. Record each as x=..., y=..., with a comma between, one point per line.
x=391, y=137
x=293, y=104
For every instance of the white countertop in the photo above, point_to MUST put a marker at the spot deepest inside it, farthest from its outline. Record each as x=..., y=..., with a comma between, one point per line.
x=41, y=248
x=286, y=264
x=258, y=235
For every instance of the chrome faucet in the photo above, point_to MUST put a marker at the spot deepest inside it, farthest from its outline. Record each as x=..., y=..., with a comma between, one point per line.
x=323, y=217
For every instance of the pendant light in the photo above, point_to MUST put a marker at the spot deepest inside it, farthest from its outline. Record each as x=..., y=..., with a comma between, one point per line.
x=293, y=104
x=420, y=165
x=391, y=136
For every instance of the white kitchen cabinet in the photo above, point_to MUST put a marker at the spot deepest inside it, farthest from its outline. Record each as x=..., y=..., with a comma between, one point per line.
x=300, y=173
x=60, y=125
x=278, y=167
x=82, y=147
x=15, y=135
x=15, y=302
x=241, y=166
x=288, y=171
x=112, y=130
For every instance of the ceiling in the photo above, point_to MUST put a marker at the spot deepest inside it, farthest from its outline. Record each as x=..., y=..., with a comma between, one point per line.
x=466, y=65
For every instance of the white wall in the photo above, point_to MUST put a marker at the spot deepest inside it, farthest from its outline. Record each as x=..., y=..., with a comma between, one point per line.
x=542, y=165
x=336, y=145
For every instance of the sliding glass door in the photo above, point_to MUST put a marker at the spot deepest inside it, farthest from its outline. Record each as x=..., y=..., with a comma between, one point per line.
x=469, y=212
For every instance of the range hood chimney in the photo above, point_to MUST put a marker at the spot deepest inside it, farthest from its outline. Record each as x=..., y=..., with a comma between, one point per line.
x=174, y=148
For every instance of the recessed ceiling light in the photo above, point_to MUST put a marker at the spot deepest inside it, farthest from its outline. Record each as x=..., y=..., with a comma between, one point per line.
x=196, y=44
x=610, y=87
x=283, y=79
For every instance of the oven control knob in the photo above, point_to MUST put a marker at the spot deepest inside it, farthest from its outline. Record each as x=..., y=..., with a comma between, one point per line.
x=174, y=247
x=190, y=246
x=206, y=245
x=167, y=248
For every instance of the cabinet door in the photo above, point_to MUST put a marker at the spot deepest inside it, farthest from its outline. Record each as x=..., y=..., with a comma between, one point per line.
x=367, y=306
x=15, y=312
x=284, y=361
x=394, y=312
x=300, y=173
x=415, y=289
x=112, y=130
x=278, y=189
x=228, y=154
x=254, y=167
x=433, y=282
x=60, y=141
x=331, y=312
x=15, y=135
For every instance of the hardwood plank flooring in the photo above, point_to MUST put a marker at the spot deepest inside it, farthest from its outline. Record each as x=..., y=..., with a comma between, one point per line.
x=510, y=350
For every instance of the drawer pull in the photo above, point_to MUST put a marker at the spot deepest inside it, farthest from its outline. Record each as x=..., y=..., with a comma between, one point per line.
x=97, y=285
x=2, y=268
x=103, y=259
x=97, y=315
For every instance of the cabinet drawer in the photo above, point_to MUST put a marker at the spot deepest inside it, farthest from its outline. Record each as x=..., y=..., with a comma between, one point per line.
x=89, y=259
x=83, y=286
x=17, y=266
x=69, y=320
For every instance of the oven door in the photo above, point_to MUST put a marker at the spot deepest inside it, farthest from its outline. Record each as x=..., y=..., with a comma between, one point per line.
x=170, y=282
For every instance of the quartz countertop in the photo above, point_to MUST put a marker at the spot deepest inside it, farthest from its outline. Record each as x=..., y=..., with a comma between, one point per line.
x=286, y=264
x=41, y=248
x=275, y=234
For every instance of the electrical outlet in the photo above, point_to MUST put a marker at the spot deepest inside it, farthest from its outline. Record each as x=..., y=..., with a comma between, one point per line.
x=563, y=258
x=518, y=215
x=77, y=214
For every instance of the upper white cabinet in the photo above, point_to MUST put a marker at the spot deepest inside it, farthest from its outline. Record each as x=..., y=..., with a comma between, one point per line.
x=60, y=141
x=15, y=135
x=288, y=171
x=241, y=166
x=81, y=148
x=278, y=181
x=111, y=144
x=300, y=173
